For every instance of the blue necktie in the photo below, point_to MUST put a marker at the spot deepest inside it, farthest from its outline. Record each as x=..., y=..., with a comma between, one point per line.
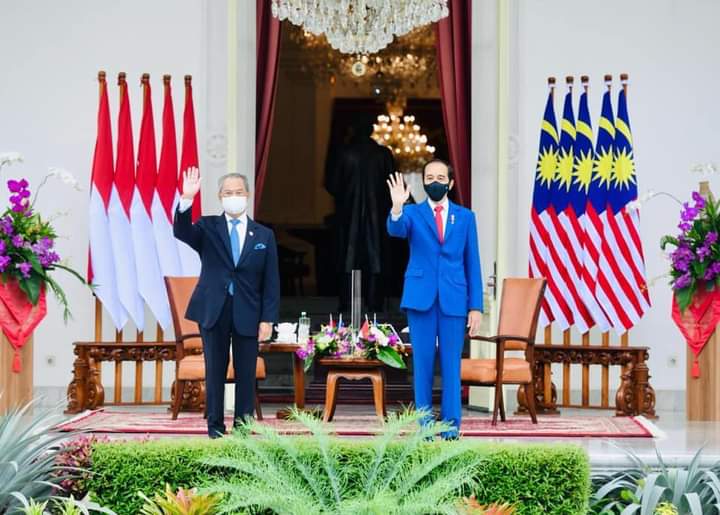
x=235, y=246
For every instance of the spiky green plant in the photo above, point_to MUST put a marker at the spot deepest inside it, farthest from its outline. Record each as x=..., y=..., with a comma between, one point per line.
x=28, y=448
x=184, y=502
x=32, y=507
x=273, y=472
x=61, y=506
x=647, y=490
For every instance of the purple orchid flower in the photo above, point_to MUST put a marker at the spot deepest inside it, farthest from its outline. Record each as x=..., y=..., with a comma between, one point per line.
x=682, y=282
x=24, y=268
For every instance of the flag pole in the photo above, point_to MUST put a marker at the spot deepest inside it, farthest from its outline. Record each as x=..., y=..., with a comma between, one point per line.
x=624, y=81
x=585, y=80
x=118, y=332
x=98, y=306
x=547, y=371
x=569, y=81
x=144, y=82
x=624, y=339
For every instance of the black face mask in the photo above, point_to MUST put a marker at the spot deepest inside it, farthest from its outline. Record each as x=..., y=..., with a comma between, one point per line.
x=436, y=190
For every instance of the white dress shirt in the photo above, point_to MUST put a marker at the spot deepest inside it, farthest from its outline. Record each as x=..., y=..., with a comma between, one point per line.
x=185, y=204
x=444, y=213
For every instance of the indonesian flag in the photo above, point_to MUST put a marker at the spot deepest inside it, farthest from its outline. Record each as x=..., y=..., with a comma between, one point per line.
x=189, y=158
x=101, y=265
x=150, y=281
x=119, y=214
x=165, y=198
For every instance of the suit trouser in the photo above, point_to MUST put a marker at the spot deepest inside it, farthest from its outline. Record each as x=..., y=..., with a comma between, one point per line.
x=432, y=331
x=216, y=350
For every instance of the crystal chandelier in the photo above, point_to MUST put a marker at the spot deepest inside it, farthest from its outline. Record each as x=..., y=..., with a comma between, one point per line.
x=402, y=135
x=406, y=64
x=360, y=26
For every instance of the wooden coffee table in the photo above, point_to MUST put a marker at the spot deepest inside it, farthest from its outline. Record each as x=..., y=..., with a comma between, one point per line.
x=354, y=370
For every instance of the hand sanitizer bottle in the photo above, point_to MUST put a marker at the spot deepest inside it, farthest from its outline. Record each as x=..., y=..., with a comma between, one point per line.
x=303, y=328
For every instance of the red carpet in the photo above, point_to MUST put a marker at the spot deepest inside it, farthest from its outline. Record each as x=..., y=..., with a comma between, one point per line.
x=111, y=421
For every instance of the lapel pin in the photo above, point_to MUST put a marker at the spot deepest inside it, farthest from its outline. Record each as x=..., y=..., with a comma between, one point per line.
x=251, y=233
x=452, y=219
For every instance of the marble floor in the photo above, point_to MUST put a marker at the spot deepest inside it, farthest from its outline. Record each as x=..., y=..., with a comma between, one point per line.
x=677, y=441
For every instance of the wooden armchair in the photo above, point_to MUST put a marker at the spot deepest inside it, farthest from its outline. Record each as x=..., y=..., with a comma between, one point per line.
x=519, y=312
x=190, y=362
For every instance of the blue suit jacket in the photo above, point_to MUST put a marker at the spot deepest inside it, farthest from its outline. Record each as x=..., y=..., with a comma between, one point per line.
x=450, y=271
x=256, y=276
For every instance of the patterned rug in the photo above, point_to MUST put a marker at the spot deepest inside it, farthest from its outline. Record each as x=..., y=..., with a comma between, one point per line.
x=111, y=421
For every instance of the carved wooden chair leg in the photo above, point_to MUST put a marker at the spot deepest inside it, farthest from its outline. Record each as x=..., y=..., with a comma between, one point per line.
x=530, y=400
x=258, y=408
x=498, y=400
x=502, y=407
x=177, y=402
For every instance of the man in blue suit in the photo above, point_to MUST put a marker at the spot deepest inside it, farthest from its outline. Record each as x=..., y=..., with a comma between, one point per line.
x=443, y=287
x=237, y=297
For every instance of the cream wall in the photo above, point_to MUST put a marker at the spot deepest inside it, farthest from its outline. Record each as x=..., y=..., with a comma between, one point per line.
x=50, y=54
x=669, y=48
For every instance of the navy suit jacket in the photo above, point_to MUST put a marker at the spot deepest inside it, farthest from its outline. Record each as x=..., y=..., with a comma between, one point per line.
x=449, y=271
x=256, y=277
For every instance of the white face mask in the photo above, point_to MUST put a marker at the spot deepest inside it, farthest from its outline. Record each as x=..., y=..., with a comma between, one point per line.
x=234, y=205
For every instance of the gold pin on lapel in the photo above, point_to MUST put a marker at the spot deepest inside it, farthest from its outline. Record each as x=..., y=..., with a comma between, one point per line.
x=251, y=233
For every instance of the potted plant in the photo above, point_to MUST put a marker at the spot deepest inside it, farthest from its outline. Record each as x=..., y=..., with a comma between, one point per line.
x=28, y=262
x=695, y=272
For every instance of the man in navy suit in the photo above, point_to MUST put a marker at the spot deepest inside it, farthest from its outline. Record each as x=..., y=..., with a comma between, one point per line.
x=237, y=296
x=443, y=286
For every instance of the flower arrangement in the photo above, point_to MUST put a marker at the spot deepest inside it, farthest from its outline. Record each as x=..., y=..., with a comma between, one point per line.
x=696, y=258
x=27, y=241
x=373, y=341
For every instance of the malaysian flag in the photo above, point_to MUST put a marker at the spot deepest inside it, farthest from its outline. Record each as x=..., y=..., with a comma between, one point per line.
x=583, y=177
x=562, y=224
x=617, y=270
x=542, y=260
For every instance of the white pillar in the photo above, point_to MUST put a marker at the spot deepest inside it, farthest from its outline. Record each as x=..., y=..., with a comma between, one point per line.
x=494, y=153
x=233, y=80
x=214, y=144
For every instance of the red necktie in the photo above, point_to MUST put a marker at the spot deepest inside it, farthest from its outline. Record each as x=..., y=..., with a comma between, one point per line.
x=438, y=223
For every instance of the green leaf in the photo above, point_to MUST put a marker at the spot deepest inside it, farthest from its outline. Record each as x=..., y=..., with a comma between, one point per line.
x=31, y=287
x=668, y=240
x=309, y=362
x=71, y=271
x=35, y=262
x=390, y=357
x=684, y=297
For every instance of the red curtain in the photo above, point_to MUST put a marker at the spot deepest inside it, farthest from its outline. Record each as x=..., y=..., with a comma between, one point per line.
x=268, y=50
x=453, y=56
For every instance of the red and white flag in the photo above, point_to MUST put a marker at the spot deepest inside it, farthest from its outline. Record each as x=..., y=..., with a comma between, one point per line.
x=150, y=280
x=189, y=158
x=101, y=263
x=166, y=197
x=119, y=214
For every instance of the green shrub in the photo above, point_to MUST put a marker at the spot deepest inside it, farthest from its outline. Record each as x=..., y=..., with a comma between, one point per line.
x=536, y=479
x=270, y=472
